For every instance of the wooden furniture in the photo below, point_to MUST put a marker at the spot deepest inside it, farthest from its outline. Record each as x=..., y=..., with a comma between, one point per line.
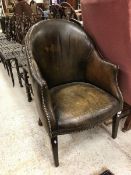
x=127, y=125
x=73, y=3
x=12, y=56
x=69, y=11
x=79, y=14
x=70, y=84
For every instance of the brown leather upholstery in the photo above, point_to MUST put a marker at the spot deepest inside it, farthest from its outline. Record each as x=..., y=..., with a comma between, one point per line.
x=60, y=63
x=75, y=89
x=78, y=106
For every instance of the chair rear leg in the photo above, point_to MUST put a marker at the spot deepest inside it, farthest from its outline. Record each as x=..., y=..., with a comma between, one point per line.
x=115, y=124
x=40, y=122
x=54, y=143
x=8, y=62
x=6, y=65
x=18, y=72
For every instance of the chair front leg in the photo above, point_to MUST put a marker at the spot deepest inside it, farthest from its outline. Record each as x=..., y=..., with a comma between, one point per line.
x=54, y=143
x=115, y=124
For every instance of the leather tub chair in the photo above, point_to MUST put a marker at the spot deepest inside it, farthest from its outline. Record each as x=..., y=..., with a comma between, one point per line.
x=74, y=88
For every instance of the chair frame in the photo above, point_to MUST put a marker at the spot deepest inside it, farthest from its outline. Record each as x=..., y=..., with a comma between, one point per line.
x=53, y=132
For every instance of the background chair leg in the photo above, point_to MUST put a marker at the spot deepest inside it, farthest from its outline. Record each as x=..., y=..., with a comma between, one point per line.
x=127, y=125
x=18, y=72
x=40, y=123
x=27, y=85
x=6, y=65
x=54, y=143
x=115, y=124
x=8, y=62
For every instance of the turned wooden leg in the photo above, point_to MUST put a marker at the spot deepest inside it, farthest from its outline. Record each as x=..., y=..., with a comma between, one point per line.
x=27, y=85
x=8, y=62
x=127, y=125
x=18, y=72
x=54, y=143
x=6, y=65
x=40, y=123
x=115, y=124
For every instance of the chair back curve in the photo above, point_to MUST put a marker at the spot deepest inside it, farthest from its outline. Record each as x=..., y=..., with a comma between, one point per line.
x=60, y=49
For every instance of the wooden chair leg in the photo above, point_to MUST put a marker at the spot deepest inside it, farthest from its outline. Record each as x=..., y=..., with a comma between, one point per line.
x=40, y=123
x=27, y=85
x=127, y=125
x=6, y=65
x=8, y=62
x=115, y=124
x=18, y=72
x=54, y=143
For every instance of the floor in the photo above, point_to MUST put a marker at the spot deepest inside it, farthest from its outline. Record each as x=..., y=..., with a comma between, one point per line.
x=25, y=147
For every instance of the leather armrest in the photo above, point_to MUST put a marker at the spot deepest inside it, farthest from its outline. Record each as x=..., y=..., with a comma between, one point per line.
x=44, y=97
x=35, y=73
x=103, y=74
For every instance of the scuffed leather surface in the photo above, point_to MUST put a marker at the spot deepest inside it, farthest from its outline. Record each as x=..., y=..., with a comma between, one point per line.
x=105, y=77
x=40, y=89
x=78, y=105
x=60, y=55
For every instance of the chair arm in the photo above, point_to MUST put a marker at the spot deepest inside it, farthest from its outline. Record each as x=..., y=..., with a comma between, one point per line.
x=44, y=97
x=103, y=74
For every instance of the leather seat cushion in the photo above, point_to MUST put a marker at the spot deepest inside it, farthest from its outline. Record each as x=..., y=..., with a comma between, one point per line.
x=81, y=105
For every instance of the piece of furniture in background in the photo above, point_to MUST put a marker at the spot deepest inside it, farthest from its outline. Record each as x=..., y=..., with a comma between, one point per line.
x=107, y=172
x=73, y=3
x=22, y=7
x=57, y=11
x=69, y=11
x=2, y=22
x=63, y=11
x=8, y=53
x=7, y=7
x=79, y=14
x=109, y=24
x=12, y=56
x=74, y=88
x=25, y=78
x=127, y=125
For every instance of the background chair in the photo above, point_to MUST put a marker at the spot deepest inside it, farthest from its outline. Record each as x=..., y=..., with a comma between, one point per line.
x=57, y=11
x=69, y=11
x=74, y=88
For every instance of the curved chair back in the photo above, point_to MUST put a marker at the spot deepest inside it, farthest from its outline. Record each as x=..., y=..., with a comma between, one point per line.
x=69, y=10
x=60, y=49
